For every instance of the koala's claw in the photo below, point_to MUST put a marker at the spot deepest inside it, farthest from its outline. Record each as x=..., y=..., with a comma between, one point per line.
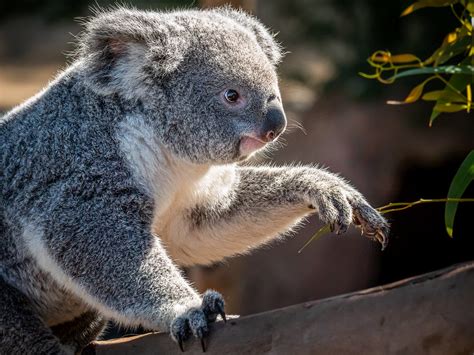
x=338, y=227
x=180, y=343
x=220, y=311
x=222, y=314
x=371, y=224
x=195, y=321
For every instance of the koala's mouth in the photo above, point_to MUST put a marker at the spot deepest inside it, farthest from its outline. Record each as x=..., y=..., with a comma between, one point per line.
x=250, y=144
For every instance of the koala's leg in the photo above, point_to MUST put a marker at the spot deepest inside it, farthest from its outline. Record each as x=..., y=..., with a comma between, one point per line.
x=101, y=249
x=21, y=329
x=79, y=332
x=264, y=203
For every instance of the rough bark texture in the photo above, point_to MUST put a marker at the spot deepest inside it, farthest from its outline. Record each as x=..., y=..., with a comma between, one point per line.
x=428, y=314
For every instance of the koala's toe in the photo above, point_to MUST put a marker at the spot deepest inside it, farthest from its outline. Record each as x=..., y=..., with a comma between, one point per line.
x=194, y=322
x=344, y=216
x=180, y=331
x=198, y=323
x=326, y=209
x=213, y=304
x=335, y=210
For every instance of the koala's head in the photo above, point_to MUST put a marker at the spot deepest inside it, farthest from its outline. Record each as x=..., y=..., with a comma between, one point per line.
x=205, y=79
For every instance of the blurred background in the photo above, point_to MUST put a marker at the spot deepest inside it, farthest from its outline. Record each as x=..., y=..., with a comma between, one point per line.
x=388, y=152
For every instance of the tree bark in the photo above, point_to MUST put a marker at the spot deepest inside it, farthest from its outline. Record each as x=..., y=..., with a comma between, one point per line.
x=428, y=314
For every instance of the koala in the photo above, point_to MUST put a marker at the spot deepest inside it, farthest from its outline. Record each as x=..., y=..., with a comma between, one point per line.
x=128, y=167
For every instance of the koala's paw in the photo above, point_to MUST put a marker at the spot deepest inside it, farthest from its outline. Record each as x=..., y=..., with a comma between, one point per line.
x=339, y=205
x=195, y=321
x=371, y=223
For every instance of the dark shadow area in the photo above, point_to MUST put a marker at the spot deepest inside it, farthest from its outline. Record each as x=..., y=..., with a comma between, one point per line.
x=419, y=240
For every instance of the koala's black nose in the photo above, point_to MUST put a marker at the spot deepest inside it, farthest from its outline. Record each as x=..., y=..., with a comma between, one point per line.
x=275, y=122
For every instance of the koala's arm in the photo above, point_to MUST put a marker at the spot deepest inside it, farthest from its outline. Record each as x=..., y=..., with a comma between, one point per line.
x=265, y=202
x=101, y=250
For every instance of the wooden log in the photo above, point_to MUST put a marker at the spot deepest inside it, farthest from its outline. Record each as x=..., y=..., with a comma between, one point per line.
x=428, y=314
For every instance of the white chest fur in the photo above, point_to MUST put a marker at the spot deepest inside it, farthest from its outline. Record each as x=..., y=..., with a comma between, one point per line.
x=174, y=184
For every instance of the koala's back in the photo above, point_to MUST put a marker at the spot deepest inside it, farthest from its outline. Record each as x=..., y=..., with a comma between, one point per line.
x=48, y=157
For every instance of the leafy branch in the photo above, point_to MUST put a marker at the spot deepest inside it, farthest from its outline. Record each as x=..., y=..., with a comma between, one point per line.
x=391, y=207
x=451, y=64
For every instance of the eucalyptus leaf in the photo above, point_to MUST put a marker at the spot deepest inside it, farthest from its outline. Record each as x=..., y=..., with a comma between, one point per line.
x=426, y=3
x=462, y=179
x=447, y=95
x=446, y=69
x=414, y=94
x=434, y=115
x=451, y=50
x=456, y=85
x=449, y=107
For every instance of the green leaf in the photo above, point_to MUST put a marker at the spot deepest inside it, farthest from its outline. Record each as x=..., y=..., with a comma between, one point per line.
x=434, y=115
x=449, y=107
x=446, y=52
x=454, y=43
x=457, y=84
x=447, y=69
x=470, y=7
x=426, y=3
x=463, y=177
x=468, y=97
x=414, y=94
x=436, y=95
x=404, y=58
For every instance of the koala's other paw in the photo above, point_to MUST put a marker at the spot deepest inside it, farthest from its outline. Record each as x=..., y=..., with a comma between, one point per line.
x=195, y=321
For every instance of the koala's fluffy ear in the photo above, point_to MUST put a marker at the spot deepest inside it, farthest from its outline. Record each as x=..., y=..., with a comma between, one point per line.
x=264, y=37
x=125, y=51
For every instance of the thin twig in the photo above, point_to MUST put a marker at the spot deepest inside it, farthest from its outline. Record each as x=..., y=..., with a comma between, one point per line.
x=391, y=207
x=316, y=236
x=405, y=205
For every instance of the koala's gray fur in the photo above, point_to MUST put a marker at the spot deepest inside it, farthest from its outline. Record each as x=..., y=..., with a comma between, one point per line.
x=126, y=165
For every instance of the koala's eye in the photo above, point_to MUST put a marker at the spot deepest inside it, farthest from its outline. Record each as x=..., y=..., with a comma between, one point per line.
x=231, y=95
